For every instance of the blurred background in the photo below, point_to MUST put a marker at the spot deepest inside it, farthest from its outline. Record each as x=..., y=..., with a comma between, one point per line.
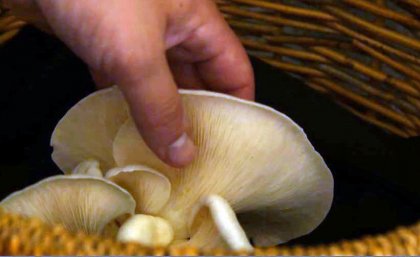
x=376, y=173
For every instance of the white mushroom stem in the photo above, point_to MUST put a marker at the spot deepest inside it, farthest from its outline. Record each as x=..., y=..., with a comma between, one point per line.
x=224, y=219
x=89, y=167
x=149, y=231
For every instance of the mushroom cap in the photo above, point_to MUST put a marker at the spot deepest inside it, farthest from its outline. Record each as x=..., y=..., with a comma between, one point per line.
x=256, y=158
x=77, y=202
x=149, y=188
x=88, y=129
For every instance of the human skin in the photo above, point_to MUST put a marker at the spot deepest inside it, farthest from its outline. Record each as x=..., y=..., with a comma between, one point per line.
x=150, y=48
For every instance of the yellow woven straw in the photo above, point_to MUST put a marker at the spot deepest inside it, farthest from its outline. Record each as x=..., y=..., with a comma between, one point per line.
x=28, y=236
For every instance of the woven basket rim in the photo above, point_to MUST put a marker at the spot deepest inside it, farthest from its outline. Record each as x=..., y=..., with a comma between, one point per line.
x=28, y=236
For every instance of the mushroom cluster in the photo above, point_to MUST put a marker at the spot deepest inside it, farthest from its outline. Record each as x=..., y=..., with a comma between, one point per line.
x=256, y=177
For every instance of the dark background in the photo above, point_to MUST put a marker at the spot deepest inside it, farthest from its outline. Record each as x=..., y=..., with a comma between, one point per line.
x=376, y=174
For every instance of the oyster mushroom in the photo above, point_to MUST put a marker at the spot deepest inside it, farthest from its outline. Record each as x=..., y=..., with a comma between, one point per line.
x=257, y=160
x=77, y=202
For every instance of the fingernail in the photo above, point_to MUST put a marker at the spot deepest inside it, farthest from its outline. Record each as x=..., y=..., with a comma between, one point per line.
x=182, y=151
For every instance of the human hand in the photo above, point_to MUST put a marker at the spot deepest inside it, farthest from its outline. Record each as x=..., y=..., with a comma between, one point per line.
x=150, y=48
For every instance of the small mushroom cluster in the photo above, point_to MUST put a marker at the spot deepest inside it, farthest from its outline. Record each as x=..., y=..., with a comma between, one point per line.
x=256, y=177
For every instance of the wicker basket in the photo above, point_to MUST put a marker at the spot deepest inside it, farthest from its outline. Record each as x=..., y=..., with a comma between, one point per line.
x=22, y=236
x=365, y=54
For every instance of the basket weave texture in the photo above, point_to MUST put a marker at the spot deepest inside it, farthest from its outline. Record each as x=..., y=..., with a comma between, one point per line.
x=23, y=236
x=363, y=53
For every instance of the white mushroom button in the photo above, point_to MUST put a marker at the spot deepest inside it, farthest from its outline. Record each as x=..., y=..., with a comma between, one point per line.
x=146, y=230
x=89, y=168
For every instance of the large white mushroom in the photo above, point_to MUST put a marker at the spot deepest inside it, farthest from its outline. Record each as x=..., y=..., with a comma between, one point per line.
x=256, y=175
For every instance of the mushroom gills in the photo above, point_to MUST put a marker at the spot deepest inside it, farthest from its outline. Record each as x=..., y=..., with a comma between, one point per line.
x=256, y=158
x=150, y=189
x=78, y=202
